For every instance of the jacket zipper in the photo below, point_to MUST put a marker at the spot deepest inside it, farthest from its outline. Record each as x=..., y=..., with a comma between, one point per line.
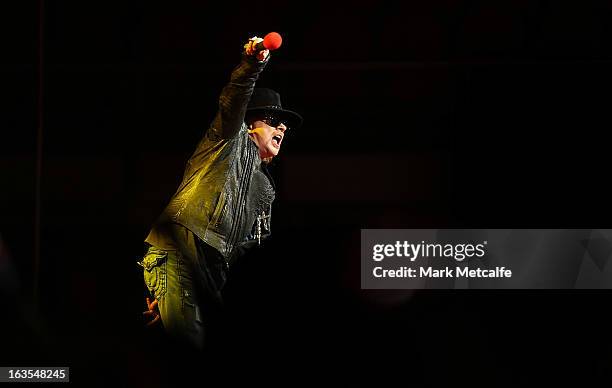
x=240, y=203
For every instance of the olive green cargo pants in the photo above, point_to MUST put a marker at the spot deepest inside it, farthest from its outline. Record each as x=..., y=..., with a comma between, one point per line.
x=186, y=277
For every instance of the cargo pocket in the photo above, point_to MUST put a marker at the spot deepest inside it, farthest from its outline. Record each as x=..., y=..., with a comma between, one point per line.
x=155, y=272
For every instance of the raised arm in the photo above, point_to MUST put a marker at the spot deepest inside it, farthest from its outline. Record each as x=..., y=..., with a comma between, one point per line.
x=236, y=94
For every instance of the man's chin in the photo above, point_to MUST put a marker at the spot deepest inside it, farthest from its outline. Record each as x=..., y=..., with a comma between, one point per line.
x=272, y=151
x=269, y=153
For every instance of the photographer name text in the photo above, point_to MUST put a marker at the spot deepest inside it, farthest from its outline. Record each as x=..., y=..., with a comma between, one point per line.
x=447, y=272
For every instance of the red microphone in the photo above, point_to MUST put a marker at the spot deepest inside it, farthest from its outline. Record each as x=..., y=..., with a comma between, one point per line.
x=271, y=42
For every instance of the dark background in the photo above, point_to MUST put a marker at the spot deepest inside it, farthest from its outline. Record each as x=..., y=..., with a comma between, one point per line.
x=417, y=114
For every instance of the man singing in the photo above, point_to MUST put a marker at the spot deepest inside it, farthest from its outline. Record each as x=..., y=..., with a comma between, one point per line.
x=222, y=206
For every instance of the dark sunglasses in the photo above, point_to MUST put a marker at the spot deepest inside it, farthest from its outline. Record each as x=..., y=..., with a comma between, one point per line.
x=273, y=121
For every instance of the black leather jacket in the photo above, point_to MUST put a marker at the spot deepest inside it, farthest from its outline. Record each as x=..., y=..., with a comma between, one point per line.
x=226, y=194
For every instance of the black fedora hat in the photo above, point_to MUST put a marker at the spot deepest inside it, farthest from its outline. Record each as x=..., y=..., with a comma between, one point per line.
x=267, y=101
